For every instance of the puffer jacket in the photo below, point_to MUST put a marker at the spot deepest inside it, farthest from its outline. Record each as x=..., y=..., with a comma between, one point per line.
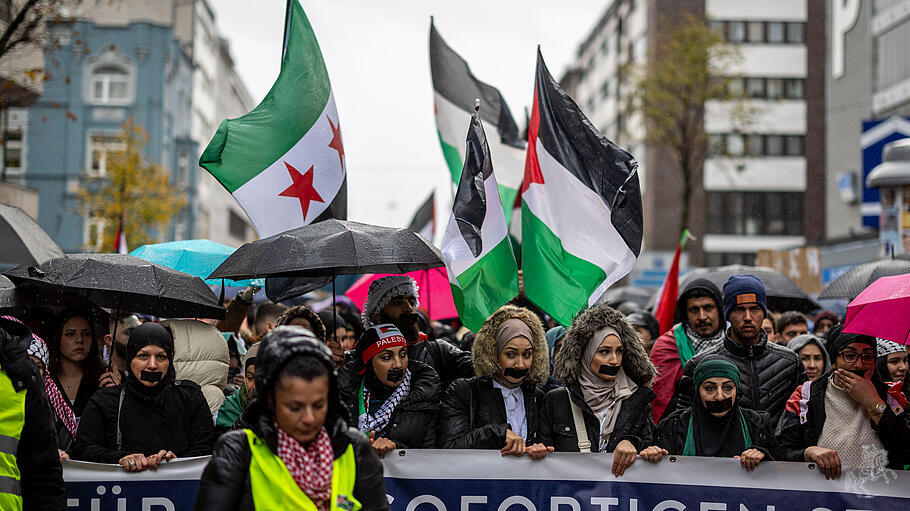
x=41, y=477
x=201, y=356
x=768, y=374
x=413, y=422
x=449, y=362
x=634, y=422
x=225, y=483
x=473, y=413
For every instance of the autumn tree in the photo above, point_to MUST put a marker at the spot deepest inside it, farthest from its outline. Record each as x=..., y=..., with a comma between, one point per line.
x=132, y=188
x=689, y=67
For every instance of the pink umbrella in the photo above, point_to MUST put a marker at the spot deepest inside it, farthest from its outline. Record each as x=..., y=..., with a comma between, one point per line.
x=432, y=284
x=882, y=310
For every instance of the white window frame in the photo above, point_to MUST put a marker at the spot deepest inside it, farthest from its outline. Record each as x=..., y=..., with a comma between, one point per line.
x=88, y=224
x=105, y=142
x=110, y=58
x=16, y=122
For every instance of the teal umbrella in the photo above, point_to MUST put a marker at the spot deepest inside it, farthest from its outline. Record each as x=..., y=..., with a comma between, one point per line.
x=196, y=257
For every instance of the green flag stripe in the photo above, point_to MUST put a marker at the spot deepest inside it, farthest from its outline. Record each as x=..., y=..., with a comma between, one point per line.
x=453, y=159
x=486, y=286
x=560, y=282
x=245, y=146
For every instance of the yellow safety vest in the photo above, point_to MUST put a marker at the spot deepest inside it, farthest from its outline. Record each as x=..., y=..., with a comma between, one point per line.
x=12, y=420
x=274, y=488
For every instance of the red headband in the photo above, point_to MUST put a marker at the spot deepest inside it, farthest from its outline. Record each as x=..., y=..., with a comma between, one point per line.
x=384, y=343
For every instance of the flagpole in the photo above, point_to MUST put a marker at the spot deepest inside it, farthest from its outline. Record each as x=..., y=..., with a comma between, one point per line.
x=287, y=30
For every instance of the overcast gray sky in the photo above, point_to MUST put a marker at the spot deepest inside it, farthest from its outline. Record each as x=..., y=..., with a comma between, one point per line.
x=377, y=57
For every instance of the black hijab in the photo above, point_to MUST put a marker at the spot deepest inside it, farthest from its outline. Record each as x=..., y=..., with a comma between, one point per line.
x=720, y=437
x=145, y=335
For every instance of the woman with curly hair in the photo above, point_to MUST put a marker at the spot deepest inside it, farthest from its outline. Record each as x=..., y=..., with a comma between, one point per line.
x=606, y=403
x=498, y=407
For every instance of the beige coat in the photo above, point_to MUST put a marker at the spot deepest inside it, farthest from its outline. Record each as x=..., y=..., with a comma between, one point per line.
x=201, y=355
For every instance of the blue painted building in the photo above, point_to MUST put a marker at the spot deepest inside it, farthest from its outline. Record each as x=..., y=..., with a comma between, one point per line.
x=102, y=75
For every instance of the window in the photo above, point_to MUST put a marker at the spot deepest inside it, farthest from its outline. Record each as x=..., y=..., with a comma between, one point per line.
x=755, y=213
x=109, y=79
x=715, y=145
x=776, y=32
x=736, y=31
x=795, y=146
x=756, y=145
x=109, y=84
x=756, y=32
x=100, y=149
x=796, y=88
x=724, y=259
x=774, y=145
x=774, y=88
x=735, y=144
x=12, y=153
x=755, y=87
x=183, y=168
x=718, y=27
x=93, y=234
x=796, y=32
x=735, y=87
x=236, y=225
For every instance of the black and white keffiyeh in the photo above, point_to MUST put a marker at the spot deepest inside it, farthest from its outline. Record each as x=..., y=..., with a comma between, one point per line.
x=377, y=421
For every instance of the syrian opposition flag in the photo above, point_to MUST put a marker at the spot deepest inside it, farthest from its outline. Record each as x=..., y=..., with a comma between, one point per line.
x=476, y=247
x=581, y=214
x=284, y=161
x=454, y=90
x=424, y=221
x=666, y=303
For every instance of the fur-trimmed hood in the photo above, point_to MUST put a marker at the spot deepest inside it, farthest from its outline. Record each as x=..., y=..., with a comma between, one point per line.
x=635, y=361
x=484, y=350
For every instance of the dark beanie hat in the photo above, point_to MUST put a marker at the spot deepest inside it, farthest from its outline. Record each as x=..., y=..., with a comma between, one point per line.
x=837, y=340
x=744, y=289
x=149, y=333
x=702, y=284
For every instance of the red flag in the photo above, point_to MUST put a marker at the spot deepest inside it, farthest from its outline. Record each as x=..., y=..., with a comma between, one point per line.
x=120, y=239
x=666, y=305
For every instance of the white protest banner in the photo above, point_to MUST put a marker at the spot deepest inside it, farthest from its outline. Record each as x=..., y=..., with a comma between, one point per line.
x=462, y=480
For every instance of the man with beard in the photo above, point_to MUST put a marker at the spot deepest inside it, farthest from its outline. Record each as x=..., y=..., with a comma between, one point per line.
x=769, y=372
x=698, y=328
x=846, y=416
x=394, y=299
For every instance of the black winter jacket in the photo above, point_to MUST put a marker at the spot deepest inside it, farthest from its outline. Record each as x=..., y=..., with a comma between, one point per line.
x=795, y=437
x=41, y=476
x=634, y=422
x=473, y=415
x=672, y=431
x=413, y=422
x=179, y=420
x=449, y=362
x=768, y=373
x=225, y=483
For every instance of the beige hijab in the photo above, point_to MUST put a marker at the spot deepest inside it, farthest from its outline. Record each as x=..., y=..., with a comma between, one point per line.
x=605, y=398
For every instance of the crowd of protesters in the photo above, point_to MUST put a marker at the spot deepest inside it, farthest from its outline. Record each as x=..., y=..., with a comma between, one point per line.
x=285, y=397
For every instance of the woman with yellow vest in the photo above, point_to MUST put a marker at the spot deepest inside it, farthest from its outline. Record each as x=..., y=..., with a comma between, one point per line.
x=299, y=452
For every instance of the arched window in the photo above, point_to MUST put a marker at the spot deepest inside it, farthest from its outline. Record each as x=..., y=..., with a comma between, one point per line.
x=109, y=79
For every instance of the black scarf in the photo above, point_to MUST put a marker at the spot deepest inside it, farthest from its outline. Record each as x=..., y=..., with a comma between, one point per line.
x=719, y=437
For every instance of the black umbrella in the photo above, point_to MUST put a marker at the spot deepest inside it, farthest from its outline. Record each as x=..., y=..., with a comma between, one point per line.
x=24, y=241
x=329, y=248
x=123, y=282
x=783, y=294
x=9, y=296
x=621, y=294
x=854, y=280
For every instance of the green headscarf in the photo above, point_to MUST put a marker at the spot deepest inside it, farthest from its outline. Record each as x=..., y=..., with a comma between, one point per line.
x=714, y=368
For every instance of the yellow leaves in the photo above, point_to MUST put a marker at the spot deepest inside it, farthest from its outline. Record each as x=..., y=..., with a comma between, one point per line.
x=134, y=187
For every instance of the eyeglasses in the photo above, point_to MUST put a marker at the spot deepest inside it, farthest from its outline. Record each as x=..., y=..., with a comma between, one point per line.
x=851, y=356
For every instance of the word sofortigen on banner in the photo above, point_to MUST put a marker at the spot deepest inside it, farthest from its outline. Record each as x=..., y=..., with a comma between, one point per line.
x=460, y=480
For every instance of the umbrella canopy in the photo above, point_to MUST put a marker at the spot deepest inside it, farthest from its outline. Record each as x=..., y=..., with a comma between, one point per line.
x=124, y=282
x=195, y=257
x=851, y=284
x=432, y=285
x=331, y=247
x=621, y=294
x=881, y=310
x=9, y=298
x=24, y=241
x=783, y=294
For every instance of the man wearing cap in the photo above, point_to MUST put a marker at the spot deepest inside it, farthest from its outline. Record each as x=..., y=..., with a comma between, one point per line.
x=845, y=417
x=394, y=299
x=769, y=372
x=698, y=328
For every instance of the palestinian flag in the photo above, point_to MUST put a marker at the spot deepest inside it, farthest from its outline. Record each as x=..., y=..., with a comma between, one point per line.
x=476, y=247
x=284, y=161
x=454, y=90
x=424, y=221
x=581, y=217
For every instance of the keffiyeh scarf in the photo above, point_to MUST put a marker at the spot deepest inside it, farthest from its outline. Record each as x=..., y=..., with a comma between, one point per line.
x=377, y=421
x=310, y=466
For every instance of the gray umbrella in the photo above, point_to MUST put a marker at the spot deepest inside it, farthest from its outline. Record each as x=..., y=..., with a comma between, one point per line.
x=852, y=283
x=783, y=294
x=328, y=248
x=24, y=241
x=123, y=282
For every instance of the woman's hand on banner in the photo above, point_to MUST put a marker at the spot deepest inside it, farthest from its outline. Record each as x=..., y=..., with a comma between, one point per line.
x=623, y=456
x=538, y=451
x=653, y=453
x=750, y=459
